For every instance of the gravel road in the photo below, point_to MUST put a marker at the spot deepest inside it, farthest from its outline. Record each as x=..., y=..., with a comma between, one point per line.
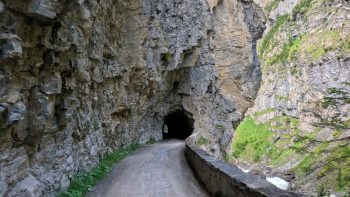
x=157, y=170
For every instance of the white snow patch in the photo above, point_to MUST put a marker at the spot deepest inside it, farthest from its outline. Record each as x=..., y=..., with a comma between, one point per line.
x=278, y=182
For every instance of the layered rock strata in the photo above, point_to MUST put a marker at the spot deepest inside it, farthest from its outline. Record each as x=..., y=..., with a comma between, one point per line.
x=80, y=78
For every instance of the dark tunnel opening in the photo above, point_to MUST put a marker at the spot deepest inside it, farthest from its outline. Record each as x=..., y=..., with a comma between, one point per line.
x=177, y=125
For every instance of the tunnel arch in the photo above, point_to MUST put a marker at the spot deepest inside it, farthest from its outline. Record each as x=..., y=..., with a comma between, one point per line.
x=177, y=125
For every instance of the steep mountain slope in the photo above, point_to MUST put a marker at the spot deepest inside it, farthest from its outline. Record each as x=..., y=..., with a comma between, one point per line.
x=79, y=78
x=299, y=127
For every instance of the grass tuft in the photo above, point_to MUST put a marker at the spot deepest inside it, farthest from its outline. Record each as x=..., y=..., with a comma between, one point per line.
x=167, y=58
x=83, y=182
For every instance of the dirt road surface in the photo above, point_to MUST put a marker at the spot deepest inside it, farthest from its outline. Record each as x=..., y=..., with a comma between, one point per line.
x=157, y=170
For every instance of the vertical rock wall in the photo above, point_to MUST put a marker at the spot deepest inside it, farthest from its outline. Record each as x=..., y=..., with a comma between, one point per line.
x=81, y=78
x=304, y=100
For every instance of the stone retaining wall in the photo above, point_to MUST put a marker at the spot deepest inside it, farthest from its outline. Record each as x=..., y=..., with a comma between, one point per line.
x=222, y=179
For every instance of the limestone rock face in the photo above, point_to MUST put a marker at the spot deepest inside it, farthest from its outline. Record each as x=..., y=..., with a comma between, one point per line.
x=80, y=78
x=304, y=99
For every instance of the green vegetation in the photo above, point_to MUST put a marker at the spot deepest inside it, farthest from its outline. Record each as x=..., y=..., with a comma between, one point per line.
x=288, y=52
x=341, y=180
x=280, y=123
x=96, y=127
x=251, y=140
x=287, y=42
x=277, y=156
x=266, y=42
x=281, y=98
x=167, y=58
x=337, y=133
x=335, y=122
x=321, y=191
x=306, y=165
x=290, y=145
x=346, y=46
x=83, y=182
x=327, y=102
x=337, y=91
x=301, y=7
x=330, y=161
x=337, y=164
x=336, y=96
x=202, y=141
x=294, y=70
x=272, y=5
x=319, y=43
x=291, y=47
x=276, y=50
x=309, y=46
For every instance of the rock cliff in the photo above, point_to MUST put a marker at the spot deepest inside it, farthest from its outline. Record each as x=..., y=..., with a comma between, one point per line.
x=301, y=117
x=80, y=78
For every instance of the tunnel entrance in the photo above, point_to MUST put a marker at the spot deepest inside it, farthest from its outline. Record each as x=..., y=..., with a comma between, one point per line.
x=177, y=125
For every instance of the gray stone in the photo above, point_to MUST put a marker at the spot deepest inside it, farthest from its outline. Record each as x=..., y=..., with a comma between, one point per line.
x=42, y=8
x=64, y=183
x=52, y=84
x=28, y=187
x=10, y=46
x=17, y=166
x=233, y=181
x=17, y=113
x=13, y=96
x=3, y=186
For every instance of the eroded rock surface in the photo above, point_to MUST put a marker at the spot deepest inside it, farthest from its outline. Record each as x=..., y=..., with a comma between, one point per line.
x=304, y=101
x=81, y=78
